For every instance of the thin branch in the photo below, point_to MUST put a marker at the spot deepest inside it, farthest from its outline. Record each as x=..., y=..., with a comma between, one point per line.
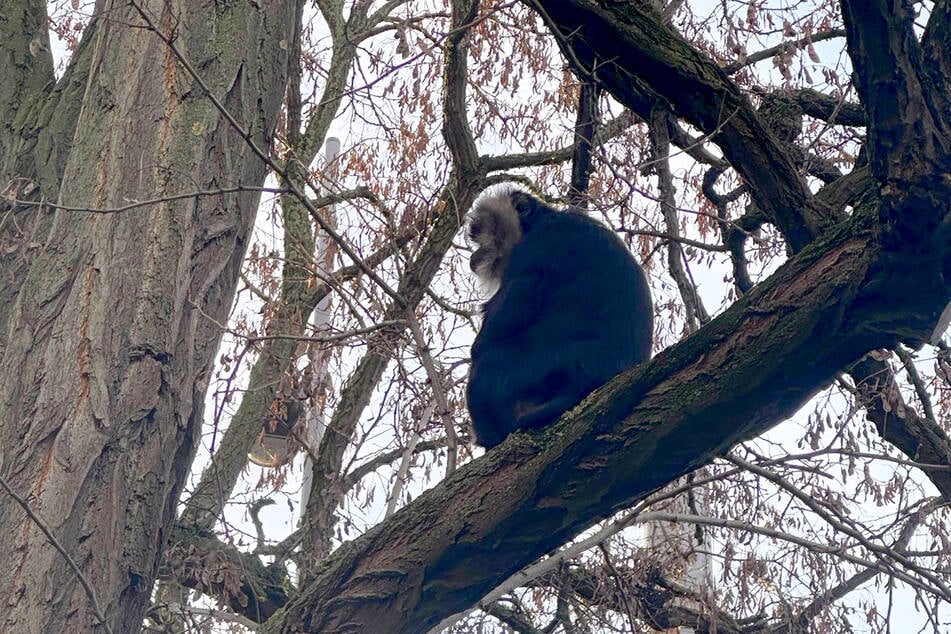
x=706, y=246
x=45, y=529
x=186, y=611
x=827, y=108
x=153, y=201
x=455, y=128
x=837, y=592
x=326, y=339
x=604, y=133
x=620, y=585
x=586, y=126
x=350, y=194
x=920, y=388
x=437, y=381
x=254, y=511
x=818, y=547
x=769, y=53
x=407, y=458
x=368, y=467
x=840, y=526
x=734, y=238
x=696, y=314
x=516, y=620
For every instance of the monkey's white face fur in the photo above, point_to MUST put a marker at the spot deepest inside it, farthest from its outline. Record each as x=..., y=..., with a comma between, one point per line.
x=494, y=228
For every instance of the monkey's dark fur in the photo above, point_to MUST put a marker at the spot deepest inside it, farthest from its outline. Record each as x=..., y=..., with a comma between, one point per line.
x=572, y=310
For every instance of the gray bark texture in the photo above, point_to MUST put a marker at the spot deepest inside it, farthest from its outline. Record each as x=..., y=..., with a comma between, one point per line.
x=109, y=338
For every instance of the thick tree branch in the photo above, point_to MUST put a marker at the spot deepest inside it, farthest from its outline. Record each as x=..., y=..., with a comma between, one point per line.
x=628, y=48
x=905, y=130
x=197, y=559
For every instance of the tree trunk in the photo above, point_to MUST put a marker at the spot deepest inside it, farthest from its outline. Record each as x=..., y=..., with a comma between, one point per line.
x=111, y=335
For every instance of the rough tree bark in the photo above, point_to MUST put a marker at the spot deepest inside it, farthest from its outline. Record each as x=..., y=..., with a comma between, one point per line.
x=109, y=338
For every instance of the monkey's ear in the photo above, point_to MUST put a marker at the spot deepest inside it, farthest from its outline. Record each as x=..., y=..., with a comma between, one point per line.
x=526, y=204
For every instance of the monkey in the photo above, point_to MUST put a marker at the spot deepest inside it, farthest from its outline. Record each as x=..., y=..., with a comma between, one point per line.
x=571, y=309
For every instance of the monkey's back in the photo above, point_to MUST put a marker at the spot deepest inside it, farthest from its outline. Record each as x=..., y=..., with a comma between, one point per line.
x=573, y=309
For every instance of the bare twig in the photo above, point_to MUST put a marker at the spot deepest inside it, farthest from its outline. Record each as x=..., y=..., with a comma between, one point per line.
x=920, y=388
x=153, y=201
x=768, y=53
x=885, y=552
x=696, y=314
x=437, y=385
x=619, y=583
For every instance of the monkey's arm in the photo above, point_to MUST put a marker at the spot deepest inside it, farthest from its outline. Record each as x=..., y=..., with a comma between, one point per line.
x=514, y=308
